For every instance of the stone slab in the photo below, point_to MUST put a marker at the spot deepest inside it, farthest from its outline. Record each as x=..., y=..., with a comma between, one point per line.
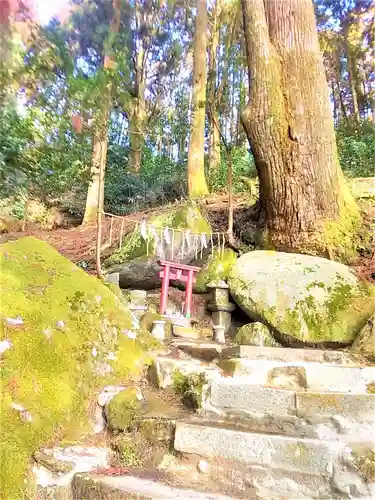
x=287, y=354
x=316, y=377
x=128, y=487
x=234, y=393
x=309, y=456
x=354, y=407
x=206, y=351
x=164, y=367
x=83, y=459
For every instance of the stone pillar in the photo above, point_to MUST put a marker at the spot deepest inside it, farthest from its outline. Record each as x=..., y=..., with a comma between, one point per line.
x=220, y=306
x=138, y=302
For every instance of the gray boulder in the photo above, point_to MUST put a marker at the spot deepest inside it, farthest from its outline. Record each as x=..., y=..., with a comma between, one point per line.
x=304, y=299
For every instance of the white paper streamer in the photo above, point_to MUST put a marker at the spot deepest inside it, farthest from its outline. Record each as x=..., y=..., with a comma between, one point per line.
x=143, y=229
x=167, y=236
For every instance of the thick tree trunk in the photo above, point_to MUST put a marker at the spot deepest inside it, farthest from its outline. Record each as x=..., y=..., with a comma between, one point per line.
x=197, y=185
x=136, y=132
x=213, y=115
x=289, y=126
x=95, y=193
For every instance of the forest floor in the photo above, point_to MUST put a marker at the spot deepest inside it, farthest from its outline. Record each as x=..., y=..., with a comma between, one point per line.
x=78, y=243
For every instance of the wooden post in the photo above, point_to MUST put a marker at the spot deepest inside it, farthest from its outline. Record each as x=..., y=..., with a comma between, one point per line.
x=189, y=293
x=164, y=289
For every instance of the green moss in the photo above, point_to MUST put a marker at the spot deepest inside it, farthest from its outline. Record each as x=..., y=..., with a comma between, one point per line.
x=365, y=462
x=50, y=369
x=229, y=366
x=123, y=409
x=127, y=451
x=190, y=387
x=336, y=310
x=341, y=237
x=255, y=334
x=187, y=216
x=217, y=267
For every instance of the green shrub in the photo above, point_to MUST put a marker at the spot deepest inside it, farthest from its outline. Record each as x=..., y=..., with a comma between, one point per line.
x=356, y=147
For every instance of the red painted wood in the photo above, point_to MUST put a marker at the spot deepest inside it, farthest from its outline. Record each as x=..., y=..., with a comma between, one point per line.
x=177, y=265
x=180, y=272
x=164, y=290
x=189, y=294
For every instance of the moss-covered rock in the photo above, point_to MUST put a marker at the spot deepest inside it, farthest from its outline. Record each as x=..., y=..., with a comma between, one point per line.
x=61, y=337
x=365, y=342
x=216, y=268
x=136, y=261
x=255, y=334
x=302, y=298
x=123, y=409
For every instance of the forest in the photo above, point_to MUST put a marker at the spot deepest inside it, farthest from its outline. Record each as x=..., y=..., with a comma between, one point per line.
x=164, y=96
x=187, y=249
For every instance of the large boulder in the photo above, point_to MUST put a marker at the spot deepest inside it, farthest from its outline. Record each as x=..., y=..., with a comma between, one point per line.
x=303, y=299
x=136, y=261
x=64, y=334
x=365, y=342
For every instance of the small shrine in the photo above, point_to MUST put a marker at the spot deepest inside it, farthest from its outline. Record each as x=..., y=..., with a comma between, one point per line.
x=177, y=272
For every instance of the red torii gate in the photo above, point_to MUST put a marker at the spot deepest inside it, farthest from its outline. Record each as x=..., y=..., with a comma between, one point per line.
x=180, y=272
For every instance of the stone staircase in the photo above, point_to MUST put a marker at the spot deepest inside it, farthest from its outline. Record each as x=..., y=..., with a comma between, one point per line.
x=270, y=423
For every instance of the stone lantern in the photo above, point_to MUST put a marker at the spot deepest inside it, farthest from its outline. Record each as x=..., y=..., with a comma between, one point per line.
x=220, y=308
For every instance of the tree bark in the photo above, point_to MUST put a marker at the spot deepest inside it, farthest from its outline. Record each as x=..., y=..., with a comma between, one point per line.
x=352, y=72
x=95, y=193
x=197, y=185
x=136, y=131
x=288, y=122
x=214, y=144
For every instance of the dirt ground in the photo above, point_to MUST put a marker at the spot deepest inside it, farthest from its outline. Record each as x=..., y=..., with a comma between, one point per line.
x=78, y=243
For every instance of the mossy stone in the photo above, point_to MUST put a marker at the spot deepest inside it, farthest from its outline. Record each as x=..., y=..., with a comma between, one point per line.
x=122, y=410
x=136, y=261
x=365, y=342
x=304, y=299
x=60, y=324
x=255, y=334
x=188, y=217
x=216, y=268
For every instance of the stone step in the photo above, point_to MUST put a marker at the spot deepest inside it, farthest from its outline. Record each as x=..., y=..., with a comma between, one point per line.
x=234, y=395
x=274, y=468
x=310, y=456
x=301, y=375
x=164, y=368
x=199, y=349
x=289, y=354
x=129, y=487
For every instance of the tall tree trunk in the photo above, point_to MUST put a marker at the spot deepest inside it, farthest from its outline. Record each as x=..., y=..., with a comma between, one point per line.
x=352, y=72
x=213, y=115
x=98, y=163
x=136, y=131
x=197, y=185
x=303, y=197
x=95, y=193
